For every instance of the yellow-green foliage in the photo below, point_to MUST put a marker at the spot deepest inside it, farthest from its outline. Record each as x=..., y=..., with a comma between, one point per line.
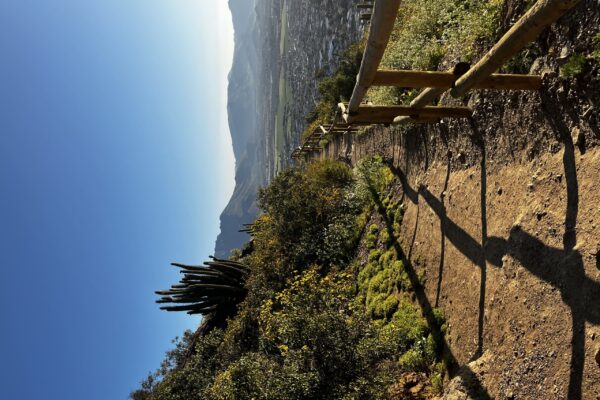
x=373, y=179
x=380, y=283
x=573, y=66
x=596, y=47
x=335, y=88
x=371, y=238
x=426, y=31
x=315, y=324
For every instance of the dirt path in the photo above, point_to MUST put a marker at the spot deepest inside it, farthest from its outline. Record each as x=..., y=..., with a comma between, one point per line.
x=509, y=246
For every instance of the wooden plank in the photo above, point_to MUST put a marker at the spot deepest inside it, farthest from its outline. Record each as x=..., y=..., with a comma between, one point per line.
x=525, y=30
x=386, y=114
x=382, y=23
x=364, y=5
x=365, y=16
x=445, y=80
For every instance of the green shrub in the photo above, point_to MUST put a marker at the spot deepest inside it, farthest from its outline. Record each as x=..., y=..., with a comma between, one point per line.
x=335, y=88
x=384, y=237
x=311, y=307
x=371, y=240
x=521, y=63
x=573, y=67
x=373, y=228
x=595, y=54
x=390, y=305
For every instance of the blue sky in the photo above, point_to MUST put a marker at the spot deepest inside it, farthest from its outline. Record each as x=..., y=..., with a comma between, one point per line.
x=115, y=159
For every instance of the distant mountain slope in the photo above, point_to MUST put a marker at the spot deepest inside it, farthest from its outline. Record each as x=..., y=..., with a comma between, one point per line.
x=278, y=44
x=241, y=107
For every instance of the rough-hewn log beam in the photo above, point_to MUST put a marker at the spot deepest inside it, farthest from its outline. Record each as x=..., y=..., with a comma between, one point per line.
x=382, y=23
x=386, y=114
x=525, y=30
x=445, y=80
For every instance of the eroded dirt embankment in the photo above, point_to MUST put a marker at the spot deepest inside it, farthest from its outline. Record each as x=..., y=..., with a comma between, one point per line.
x=503, y=222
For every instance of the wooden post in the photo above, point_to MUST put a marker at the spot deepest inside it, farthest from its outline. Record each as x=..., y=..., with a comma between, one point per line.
x=525, y=30
x=445, y=80
x=382, y=23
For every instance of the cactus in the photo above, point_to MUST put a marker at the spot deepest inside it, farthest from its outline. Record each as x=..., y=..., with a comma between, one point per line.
x=212, y=289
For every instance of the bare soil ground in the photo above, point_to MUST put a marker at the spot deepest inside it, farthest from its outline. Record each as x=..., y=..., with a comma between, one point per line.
x=511, y=253
x=503, y=221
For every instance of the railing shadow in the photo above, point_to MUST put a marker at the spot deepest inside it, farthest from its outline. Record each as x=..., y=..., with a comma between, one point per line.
x=474, y=386
x=561, y=268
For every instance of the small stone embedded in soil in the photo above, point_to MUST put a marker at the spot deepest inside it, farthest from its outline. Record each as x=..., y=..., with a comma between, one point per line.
x=565, y=52
x=499, y=191
x=577, y=136
x=587, y=113
x=559, y=177
x=547, y=75
x=530, y=186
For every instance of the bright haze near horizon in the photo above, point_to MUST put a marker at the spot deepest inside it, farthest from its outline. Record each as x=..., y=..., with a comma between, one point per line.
x=115, y=160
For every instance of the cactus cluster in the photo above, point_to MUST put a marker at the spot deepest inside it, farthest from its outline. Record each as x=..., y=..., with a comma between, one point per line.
x=205, y=289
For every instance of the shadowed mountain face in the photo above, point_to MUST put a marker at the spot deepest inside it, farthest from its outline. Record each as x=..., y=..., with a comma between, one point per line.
x=241, y=107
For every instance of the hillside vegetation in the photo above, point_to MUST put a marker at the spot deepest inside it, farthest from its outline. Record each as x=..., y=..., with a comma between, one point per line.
x=328, y=313
x=333, y=308
x=426, y=35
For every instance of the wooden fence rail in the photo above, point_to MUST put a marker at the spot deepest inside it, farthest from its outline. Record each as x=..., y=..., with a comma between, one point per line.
x=459, y=81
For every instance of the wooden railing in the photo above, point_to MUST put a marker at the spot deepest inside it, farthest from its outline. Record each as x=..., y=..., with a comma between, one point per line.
x=459, y=81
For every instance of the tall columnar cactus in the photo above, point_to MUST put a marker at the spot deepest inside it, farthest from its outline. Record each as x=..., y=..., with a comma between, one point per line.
x=214, y=288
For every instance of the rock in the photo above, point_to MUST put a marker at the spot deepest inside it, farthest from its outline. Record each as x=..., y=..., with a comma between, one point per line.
x=536, y=66
x=559, y=177
x=468, y=379
x=577, y=136
x=587, y=113
x=554, y=147
x=530, y=186
x=564, y=55
x=416, y=389
x=499, y=191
